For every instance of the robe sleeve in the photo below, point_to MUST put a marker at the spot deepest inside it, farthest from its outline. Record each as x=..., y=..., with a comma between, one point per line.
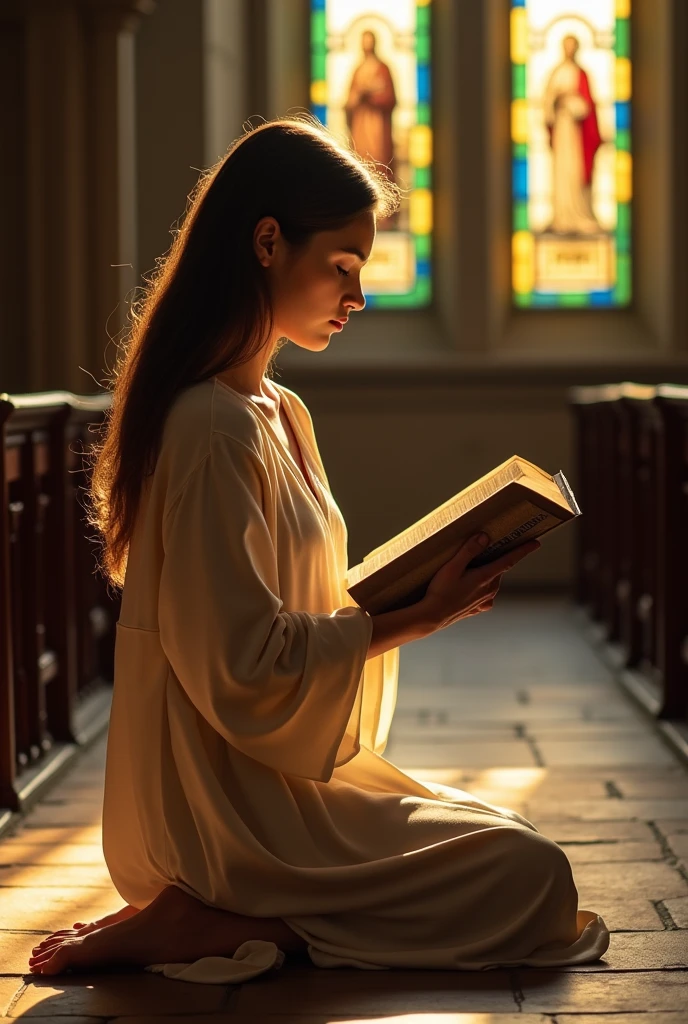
x=283, y=687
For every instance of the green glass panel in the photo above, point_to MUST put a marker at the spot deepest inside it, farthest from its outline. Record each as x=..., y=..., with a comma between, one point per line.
x=573, y=299
x=518, y=81
x=423, y=113
x=318, y=72
x=520, y=215
x=423, y=19
x=523, y=299
x=623, y=139
x=622, y=43
x=519, y=150
x=423, y=49
x=422, y=247
x=318, y=28
x=421, y=177
x=622, y=291
x=623, y=228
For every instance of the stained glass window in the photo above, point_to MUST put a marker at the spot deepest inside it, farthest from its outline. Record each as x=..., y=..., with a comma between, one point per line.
x=571, y=152
x=370, y=84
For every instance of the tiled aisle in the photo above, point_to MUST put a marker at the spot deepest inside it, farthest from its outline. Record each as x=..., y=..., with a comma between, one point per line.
x=512, y=706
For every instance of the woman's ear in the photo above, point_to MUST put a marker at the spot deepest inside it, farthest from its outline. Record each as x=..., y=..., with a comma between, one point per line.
x=265, y=236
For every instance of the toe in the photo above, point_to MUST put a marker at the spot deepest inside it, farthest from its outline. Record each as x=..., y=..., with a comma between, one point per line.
x=52, y=961
x=58, y=962
x=51, y=943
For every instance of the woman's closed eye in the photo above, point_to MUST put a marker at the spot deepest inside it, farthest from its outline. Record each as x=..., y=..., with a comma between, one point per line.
x=343, y=271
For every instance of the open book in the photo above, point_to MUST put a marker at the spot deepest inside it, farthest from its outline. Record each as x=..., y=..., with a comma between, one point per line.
x=512, y=504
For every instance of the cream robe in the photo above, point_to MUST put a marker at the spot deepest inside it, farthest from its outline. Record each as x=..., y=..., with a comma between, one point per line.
x=245, y=754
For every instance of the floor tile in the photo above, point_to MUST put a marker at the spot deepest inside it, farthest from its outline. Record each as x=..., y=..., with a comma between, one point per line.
x=678, y=908
x=607, y=753
x=641, y=951
x=46, y=875
x=356, y=992
x=588, y=993
x=86, y=1020
x=596, y=853
x=43, y=853
x=622, y=915
x=334, y=1018
x=52, y=908
x=593, y=831
x=632, y=1017
x=115, y=994
x=9, y=987
x=69, y=815
x=671, y=788
x=513, y=753
x=82, y=834
x=15, y=950
x=609, y=810
x=679, y=845
x=655, y=881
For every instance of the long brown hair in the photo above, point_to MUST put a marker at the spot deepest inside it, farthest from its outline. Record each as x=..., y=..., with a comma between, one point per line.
x=207, y=307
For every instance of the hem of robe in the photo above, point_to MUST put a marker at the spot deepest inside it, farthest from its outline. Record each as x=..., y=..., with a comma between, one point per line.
x=256, y=956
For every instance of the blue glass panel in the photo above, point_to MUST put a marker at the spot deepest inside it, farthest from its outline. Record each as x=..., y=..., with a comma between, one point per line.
x=520, y=178
x=424, y=84
x=623, y=115
x=602, y=298
x=318, y=5
x=423, y=268
x=518, y=3
x=545, y=299
x=320, y=111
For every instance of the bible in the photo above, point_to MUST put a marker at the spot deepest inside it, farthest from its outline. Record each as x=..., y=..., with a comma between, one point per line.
x=512, y=504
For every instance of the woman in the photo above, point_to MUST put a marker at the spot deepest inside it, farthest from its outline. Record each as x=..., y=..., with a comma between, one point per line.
x=246, y=797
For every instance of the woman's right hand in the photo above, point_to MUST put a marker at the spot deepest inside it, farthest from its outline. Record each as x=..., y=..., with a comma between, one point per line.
x=455, y=592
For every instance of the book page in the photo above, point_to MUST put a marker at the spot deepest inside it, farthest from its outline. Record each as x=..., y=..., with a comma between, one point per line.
x=446, y=513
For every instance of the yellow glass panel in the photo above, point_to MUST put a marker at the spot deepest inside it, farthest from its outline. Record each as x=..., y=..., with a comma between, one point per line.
x=622, y=73
x=624, y=176
x=519, y=120
x=420, y=211
x=420, y=145
x=519, y=35
x=422, y=3
x=523, y=269
x=319, y=92
x=623, y=8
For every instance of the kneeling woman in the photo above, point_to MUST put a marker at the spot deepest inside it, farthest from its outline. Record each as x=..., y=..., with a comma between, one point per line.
x=246, y=796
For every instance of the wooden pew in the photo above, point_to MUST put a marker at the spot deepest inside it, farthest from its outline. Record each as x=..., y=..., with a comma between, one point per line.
x=632, y=557
x=45, y=608
x=671, y=403
x=97, y=605
x=598, y=548
x=641, y=426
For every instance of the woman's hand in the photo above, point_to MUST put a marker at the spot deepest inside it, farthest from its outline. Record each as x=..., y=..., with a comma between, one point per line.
x=455, y=592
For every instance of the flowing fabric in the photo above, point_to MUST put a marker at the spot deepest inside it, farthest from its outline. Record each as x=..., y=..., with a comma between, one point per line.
x=245, y=753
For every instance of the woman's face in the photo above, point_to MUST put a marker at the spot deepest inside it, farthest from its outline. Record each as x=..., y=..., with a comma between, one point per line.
x=312, y=286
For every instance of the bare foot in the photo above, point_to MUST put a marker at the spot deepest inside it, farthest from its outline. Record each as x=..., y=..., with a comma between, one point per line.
x=82, y=928
x=174, y=928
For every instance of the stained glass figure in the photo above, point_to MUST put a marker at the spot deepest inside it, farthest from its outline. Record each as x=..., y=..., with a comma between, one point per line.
x=571, y=174
x=370, y=84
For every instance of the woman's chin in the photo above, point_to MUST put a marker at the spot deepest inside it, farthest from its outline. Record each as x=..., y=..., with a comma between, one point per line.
x=314, y=343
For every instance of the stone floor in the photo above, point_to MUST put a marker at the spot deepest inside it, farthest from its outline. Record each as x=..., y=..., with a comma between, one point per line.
x=513, y=706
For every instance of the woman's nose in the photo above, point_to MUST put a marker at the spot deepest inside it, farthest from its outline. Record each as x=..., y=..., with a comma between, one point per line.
x=358, y=300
